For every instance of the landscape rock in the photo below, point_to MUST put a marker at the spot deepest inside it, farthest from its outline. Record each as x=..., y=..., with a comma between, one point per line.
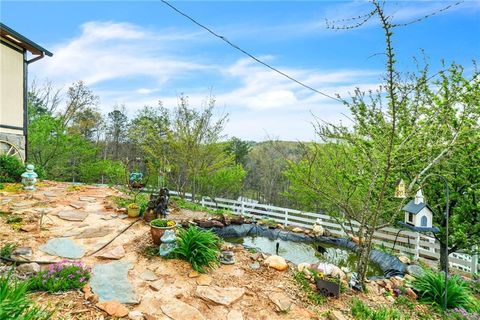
x=110, y=282
x=194, y=274
x=179, y=310
x=29, y=228
x=204, y=280
x=415, y=270
x=336, y=315
x=411, y=294
x=114, y=253
x=235, y=315
x=317, y=230
x=135, y=315
x=76, y=205
x=404, y=259
x=148, y=275
x=88, y=199
x=209, y=223
x=157, y=285
x=29, y=268
x=297, y=229
x=255, y=265
x=303, y=267
x=276, y=262
x=113, y=308
x=72, y=215
x=282, y=302
x=63, y=247
x=94, y=232
x=21, y=253
x=223, y=296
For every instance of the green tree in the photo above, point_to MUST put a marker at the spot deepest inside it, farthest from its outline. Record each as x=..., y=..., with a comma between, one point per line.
x=402, y=130
x=239, y=149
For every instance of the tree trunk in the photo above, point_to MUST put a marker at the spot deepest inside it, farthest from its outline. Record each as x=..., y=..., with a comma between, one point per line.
x=443, y=256
x=364, y=249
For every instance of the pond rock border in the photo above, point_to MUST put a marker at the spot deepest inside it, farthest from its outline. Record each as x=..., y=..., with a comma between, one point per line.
x=390, y=265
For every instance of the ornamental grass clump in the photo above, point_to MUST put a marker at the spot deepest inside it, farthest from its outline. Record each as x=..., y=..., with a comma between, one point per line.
x=14, y=303
x=62, y=276
x=431, y=288
x=199, y=247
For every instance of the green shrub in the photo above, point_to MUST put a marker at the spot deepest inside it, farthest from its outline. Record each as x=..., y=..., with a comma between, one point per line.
x=61, y=276
x=162, y=223
x=362, y=312
x=11, y=169
x=14, y=305
x=2, y=186
x=7, y=249
x=199, y=247
x=431, y=288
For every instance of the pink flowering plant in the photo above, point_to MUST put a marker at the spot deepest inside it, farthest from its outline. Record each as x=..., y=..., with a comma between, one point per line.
x=61, y=276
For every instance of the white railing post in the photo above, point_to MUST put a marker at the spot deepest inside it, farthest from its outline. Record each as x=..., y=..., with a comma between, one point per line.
x=202, y=202
x=285, y=221
x=417, y=246
x=243, y=207
x=474, y=263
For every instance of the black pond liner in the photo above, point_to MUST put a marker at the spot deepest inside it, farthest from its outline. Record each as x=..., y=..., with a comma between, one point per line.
x=390, y=265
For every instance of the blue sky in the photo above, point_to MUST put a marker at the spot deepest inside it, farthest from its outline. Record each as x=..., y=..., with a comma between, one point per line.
x=136, y=53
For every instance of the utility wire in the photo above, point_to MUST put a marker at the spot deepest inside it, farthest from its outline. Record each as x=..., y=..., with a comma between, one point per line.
x=249, y=54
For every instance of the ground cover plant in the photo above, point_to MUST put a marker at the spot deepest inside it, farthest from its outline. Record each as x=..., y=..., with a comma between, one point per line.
x=199, y=247
x=14, y=304
x=361, y=311
x=311, y=294
x=431, y=288
x=162, y=223
x=61, y=276
x=11, y=169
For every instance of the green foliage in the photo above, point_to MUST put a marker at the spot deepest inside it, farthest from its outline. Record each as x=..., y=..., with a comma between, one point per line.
x=361, y=311
x=431, y=288
x=462, y=314
x=404, y=302
x=2, y=186
x=185, y=204
x=107, y=171
x=11, y=169
x=226, y=181
x=14, y=304
x=199, y=247
x=7, y=249
x=11, y=219
x=311, y=293
x=62, y=276
x=162, y=223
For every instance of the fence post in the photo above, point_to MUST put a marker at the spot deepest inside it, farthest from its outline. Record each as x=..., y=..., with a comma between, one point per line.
x=202, y=202
x=243, y=207
x=285, y=222
x=417, y=246
x=474, y=265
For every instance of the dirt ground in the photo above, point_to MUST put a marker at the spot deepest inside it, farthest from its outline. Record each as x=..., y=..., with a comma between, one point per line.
x=174, y=275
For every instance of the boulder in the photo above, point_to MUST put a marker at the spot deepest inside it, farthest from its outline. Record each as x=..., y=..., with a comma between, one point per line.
x=29, y=268
x=208, y=223
x=219, y=295
x=415, y=270
x=113, y=308
x=276, y=262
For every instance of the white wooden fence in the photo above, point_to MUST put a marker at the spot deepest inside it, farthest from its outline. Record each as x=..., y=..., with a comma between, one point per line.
x=410, y=243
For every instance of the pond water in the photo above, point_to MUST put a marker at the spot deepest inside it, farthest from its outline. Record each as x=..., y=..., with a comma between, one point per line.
x=298, y=252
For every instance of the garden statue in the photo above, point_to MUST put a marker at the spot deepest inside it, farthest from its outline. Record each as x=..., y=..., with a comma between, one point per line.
x=168, y=243
x=29, y=178
x=157, y=206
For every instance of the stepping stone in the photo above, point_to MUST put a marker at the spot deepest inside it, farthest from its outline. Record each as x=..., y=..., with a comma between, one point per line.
x=72, y=215
x=72, y=232
x=223, y=296
x=281, y=301
x=110, y=282
x=204, y=280
x=114, y=253
x=94, y=232
x=63, y=247
x=148, y=275
x=23, y=205
x=88, y=199
x=49, y=194
x=76, y=205
x=179, y=310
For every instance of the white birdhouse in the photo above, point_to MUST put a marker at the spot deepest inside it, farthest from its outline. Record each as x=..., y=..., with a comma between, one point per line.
x=418, y=215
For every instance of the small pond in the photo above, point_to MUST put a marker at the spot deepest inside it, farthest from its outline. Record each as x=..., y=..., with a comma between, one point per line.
x=298, y=252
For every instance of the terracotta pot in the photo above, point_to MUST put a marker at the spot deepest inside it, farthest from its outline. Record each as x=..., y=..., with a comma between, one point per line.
x=157, y=233
x=133, y=212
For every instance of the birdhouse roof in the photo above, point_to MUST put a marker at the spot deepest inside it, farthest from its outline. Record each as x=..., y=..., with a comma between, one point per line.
x=414, y=208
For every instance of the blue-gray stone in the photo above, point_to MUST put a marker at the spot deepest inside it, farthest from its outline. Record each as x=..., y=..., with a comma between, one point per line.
x=63, y=247
x=110, y=282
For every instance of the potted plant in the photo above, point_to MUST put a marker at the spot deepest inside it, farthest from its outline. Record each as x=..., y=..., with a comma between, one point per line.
x=158, y=227
x=133, y=210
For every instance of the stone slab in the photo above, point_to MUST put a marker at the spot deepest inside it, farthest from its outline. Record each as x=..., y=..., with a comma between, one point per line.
x=63, y=247
x=72, y=215
x=110, y=282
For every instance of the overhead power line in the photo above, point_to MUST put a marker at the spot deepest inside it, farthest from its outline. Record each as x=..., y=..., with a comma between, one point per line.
x=249, y=54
